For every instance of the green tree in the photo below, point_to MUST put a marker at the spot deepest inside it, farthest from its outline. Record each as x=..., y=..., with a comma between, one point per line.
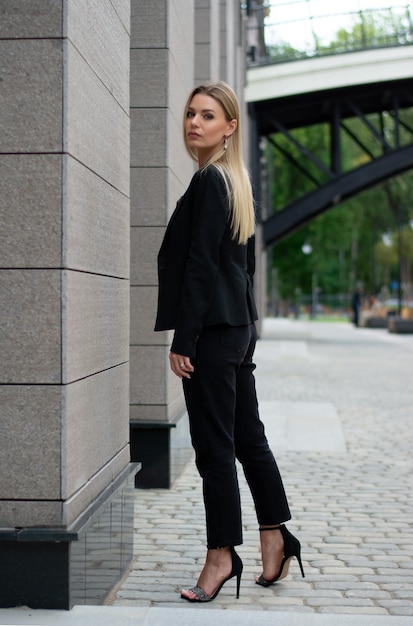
x=343, y=240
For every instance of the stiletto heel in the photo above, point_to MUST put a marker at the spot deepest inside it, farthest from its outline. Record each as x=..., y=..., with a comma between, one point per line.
x=292, y=548
x=236, y=570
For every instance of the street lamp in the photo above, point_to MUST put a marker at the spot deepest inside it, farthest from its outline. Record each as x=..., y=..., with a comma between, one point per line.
x=307, y=249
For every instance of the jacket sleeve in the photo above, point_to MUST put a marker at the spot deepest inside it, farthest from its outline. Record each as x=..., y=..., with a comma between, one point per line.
x=209, y=223
x=251, y=258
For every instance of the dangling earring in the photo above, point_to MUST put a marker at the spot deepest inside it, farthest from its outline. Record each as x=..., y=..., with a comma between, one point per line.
x=225, y=142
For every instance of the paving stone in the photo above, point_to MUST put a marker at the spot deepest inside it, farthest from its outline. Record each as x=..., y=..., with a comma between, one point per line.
x=402, y=610
x=351, y=510
x=373, y=610
x=348, y=602
x=373, y=594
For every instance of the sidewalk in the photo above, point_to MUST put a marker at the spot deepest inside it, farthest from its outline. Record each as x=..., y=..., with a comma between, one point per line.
x=338, y=407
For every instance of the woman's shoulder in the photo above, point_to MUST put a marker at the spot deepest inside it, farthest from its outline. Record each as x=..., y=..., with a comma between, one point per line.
x=210, y=176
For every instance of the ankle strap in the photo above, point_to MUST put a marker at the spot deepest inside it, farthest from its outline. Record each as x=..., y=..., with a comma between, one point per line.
x=270, y=528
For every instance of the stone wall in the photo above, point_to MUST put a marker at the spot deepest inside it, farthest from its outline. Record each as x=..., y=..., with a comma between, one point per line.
x=92, y=97
x=174, y=46
x=64, y=256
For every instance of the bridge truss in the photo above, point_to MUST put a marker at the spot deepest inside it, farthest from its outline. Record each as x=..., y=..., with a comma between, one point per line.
x=392, y=134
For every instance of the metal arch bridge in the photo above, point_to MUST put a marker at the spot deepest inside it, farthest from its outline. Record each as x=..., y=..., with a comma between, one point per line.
x=331, y=89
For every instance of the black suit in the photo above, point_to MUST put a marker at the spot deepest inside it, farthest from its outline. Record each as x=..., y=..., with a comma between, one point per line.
x=205, y=276
x=205, y=294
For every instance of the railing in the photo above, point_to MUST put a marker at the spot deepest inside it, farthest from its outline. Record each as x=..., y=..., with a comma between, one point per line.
x=282, y=31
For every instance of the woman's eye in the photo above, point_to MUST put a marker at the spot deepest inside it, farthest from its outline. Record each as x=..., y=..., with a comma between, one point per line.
x=190, y=114
x=208, y=116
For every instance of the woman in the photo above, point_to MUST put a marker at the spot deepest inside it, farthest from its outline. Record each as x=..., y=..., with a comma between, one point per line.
x=205, y=267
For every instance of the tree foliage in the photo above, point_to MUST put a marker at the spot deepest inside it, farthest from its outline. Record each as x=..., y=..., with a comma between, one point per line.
x=372, y=28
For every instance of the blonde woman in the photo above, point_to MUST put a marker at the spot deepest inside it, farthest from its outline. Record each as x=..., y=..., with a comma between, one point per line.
x=205, y=267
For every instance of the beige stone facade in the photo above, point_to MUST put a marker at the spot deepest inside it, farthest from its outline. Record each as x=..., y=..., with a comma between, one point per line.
x=64, y=256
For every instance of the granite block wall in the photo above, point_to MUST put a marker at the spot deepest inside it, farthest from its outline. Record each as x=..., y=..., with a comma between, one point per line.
x=92, y=163
x=162, y=74
x=174, y=46
x=64, y=256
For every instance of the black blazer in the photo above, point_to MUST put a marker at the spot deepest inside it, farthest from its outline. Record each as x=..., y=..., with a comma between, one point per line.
x=205, y=277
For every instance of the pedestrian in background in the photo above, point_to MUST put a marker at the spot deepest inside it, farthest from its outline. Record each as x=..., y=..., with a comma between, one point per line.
x=356, y=303
x=205, y=267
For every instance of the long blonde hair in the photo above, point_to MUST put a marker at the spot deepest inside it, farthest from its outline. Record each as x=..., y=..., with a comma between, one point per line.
x=229, y=161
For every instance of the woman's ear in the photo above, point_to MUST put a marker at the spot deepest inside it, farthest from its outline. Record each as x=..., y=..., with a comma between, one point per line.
x=232, y=126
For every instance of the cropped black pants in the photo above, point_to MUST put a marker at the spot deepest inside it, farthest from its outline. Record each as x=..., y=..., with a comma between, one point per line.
x=225, y=426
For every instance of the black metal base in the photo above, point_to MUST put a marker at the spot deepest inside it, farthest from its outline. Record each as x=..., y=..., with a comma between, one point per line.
x=400, y=325
x=376, y=322
x=57, y=568
x=163, y=449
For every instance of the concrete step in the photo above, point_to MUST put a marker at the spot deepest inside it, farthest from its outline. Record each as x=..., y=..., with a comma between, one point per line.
x=188, y=616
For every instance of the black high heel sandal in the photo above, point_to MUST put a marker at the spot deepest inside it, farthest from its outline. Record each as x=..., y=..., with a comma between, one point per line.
x=236, y=570
x=292, y=547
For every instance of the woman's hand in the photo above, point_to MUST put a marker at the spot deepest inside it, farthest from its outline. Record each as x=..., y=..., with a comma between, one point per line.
x=180, y=365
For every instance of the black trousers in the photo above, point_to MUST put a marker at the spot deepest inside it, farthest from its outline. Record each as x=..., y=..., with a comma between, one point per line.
x=225, y=425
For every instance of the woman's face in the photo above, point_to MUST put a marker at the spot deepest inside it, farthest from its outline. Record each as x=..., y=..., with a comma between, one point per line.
x=206, y=126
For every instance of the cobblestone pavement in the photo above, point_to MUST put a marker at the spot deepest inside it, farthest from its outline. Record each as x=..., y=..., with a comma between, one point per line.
x=352, y=508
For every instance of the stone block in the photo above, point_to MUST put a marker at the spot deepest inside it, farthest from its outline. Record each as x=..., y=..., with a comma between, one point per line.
x=176, y=401
x=181, y=61
x=95, y=427
x=156, y=397
x=148, y=137
x=30, y=315
x=180, y=85
x=158, y=413
x=96, y=223
x=31, y=108
x=203, y=25
x=149, y=24
x=30, y=210
x=214, y=42
x=29, y=19
x=178, y=181
x=30, y=513
x=176, y=147
x=145, y=244
x=76, y=506
x=95, y=438
x=148, y=413
x=149, y=78
x=143, y=313
x=148, y=196
x=95, y=324
x=96, y=126
x=229, y=32
x=96, y=31
x=29, y=443
x=148, y=366
x=181, y=22
x=123, y=9
x=202, y=63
